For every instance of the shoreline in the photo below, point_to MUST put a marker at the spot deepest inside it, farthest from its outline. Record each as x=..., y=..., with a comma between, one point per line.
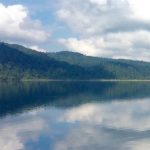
x=90, y=80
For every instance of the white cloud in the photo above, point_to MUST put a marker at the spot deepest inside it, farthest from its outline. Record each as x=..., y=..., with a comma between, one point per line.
x=84, y=46
x=128, y=45
x=16, y=25
x=139, y=144
x=108, y=28
x=35, y=47
x=140, y=9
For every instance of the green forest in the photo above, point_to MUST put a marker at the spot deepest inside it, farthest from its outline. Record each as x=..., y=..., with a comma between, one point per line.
x=18, y=63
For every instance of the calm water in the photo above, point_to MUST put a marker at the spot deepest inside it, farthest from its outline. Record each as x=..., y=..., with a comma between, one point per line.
x=75, y=116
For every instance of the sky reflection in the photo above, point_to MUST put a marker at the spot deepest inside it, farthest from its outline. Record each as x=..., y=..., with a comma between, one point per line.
x=108, y=126
x=74, y=116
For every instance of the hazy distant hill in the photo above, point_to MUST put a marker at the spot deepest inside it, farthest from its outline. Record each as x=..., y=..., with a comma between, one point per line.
x=18, y=62
x=120, y=68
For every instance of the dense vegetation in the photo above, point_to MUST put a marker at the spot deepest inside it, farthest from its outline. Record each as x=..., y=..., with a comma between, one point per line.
x=119, y=68
x=18, y=62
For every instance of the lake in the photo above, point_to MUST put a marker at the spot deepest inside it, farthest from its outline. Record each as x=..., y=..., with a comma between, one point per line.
x=75, y=116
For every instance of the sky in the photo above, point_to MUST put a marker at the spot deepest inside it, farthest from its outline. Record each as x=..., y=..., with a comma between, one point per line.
x=103, y=28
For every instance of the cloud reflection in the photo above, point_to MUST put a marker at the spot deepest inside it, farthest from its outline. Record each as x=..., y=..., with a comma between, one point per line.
x=133, y=114
x=15, y=132
x=115, y=125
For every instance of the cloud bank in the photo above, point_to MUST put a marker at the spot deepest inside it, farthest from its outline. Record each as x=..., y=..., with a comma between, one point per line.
x=17, y=26
x=107, y=28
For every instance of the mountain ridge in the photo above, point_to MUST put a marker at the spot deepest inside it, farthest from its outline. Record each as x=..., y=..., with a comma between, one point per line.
x=19, y=62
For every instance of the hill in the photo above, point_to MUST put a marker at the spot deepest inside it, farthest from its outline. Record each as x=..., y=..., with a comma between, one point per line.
x=18, y=62
x=119, y=68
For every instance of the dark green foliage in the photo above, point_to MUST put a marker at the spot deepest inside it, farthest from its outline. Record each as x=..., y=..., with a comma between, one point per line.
x=119, y=68
x=18, y=62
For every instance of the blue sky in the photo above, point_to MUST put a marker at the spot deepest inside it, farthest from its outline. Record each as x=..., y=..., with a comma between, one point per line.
x=44, y=12
x=104, y=28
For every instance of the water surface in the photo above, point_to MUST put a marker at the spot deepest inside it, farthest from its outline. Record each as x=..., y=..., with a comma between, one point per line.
x=75, y=116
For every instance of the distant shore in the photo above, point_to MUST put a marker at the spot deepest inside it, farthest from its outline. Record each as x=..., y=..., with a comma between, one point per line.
x=90, y=80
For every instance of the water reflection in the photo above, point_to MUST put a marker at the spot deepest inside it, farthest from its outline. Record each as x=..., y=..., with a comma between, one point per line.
x=114, y=115
x=20, y=97
x=74, y=116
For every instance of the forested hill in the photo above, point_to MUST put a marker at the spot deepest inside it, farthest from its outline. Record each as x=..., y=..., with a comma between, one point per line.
x=119, y=68
x=18, y=62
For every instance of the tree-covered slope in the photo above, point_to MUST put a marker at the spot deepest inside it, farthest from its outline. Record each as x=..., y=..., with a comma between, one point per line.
x=121, y=69
x=19, y=62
